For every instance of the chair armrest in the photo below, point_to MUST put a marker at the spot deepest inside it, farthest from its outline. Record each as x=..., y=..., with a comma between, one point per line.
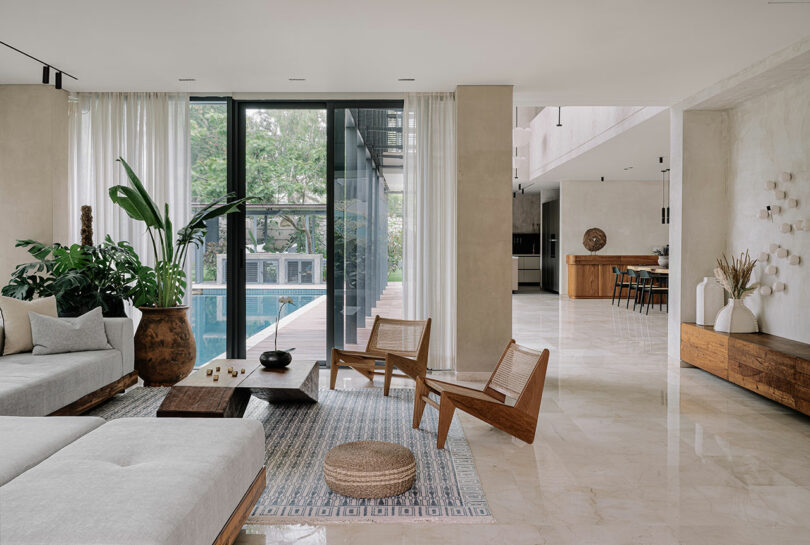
x=409, y=366
x=121, y=337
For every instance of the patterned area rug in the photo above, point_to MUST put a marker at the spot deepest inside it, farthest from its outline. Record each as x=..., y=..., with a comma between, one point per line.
x=447, y=488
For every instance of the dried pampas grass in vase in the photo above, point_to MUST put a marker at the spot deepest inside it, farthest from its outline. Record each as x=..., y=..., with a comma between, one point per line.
x=735, y=277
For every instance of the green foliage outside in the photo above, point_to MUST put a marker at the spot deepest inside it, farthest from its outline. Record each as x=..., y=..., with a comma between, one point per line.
x=285, y=164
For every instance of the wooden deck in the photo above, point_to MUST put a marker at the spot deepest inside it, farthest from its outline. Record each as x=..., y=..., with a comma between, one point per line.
x=307, y=333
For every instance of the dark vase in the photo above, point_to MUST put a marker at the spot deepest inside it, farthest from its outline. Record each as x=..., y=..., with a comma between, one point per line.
x=165, y=350
x=275, y=359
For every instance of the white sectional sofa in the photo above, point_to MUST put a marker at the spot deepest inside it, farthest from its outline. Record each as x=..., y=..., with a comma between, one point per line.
x=72, y=383
x=144, y=481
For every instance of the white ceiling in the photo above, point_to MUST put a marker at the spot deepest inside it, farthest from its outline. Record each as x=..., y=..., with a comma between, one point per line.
x=638, y=147
x=625, y=52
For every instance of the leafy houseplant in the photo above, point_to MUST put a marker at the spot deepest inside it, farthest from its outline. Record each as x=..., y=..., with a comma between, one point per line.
x=165, y=349
x=663, y=255
x=81, y=277
x=735, y=277
x=277, y=358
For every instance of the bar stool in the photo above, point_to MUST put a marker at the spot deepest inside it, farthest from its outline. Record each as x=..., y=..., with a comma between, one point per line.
x=649, y=289
x=618, y=282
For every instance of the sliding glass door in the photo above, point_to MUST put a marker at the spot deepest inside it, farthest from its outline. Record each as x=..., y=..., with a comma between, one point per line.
x=323, y=225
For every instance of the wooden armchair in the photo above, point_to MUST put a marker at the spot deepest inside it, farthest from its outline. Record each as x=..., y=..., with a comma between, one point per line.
x=399, y=343
x=520, y=374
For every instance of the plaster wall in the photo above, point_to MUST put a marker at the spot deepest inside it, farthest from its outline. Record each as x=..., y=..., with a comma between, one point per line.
x=770, y=134
x=629, y=213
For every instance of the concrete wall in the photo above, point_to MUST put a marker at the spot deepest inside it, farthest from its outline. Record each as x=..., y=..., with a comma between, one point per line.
x=33, y=169
x=698, y=209
x=526, y=213
x=484, y=244
x=628, y=212
x=770, y=134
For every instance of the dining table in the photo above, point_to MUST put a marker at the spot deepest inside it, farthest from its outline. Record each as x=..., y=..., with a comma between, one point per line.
x=649, y=268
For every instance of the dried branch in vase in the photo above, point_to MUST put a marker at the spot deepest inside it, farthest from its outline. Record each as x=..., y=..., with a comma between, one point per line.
x=735, y=276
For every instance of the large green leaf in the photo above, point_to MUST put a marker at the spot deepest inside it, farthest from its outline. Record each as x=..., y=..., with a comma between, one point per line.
x=151, y=215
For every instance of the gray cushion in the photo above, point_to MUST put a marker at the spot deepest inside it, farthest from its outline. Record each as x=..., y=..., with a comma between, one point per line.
x=144, y=481
x=121, y=337
x=38, y=385
x=58, y=336
x=27, y=440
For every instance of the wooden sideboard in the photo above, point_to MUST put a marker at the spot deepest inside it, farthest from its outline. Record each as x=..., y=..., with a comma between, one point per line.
x=771, y=366
x=591, y=276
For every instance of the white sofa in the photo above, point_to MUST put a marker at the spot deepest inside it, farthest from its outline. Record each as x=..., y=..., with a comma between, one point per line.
x=41, y=385
x=144, y=481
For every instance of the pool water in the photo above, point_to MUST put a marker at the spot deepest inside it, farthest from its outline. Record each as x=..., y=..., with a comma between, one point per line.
x=208, y=311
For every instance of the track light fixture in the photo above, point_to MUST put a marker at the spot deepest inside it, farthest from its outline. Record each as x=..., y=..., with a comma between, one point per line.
x=559, y=116
x=46, y=68
x=603, y=178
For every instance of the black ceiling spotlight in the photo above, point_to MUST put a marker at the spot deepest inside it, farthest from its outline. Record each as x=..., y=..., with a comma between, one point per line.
x=46, y=68
x=665, y=196
x=603, y=178
x=559, y=116
x=523, y=191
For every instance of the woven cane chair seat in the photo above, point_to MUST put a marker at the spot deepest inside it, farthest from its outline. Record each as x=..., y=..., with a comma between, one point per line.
x=369, y=469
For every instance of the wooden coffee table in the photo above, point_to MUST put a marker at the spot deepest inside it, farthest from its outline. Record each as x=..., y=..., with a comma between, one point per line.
x=199, y=396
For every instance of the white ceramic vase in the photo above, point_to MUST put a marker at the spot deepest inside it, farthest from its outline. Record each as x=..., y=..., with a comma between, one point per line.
x=663, y=261
x=735, y=317
x=709, y=300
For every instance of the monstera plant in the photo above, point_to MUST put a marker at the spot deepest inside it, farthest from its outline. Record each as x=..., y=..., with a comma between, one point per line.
x=165, y=349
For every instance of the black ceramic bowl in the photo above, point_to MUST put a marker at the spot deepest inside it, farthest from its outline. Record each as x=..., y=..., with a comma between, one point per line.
x=275, y=359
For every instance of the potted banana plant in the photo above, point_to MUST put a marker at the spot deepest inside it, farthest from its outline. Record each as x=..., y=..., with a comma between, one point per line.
x=165, y=349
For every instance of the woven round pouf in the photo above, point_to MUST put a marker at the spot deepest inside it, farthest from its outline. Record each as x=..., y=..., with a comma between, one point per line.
x=369, y=469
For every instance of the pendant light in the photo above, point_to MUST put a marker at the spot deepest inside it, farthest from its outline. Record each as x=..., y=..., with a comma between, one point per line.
x=559, y=116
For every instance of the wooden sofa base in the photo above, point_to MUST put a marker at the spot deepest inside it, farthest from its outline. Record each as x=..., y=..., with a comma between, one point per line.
x=231, y=529
x=84, y=404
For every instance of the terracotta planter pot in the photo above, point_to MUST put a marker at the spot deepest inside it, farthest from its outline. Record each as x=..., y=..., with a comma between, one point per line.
x=165, y=350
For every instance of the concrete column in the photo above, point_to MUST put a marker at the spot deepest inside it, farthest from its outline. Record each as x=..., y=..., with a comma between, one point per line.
x=484, y=226
x=698, y=208
x=33, y=169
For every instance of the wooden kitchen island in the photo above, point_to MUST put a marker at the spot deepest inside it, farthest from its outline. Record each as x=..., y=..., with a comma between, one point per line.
x=591, y=276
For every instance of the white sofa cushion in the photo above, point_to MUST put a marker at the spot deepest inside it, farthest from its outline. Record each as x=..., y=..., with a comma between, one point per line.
x=38, y=385
x=136, y=481
x=17, y=326
x=27, y=440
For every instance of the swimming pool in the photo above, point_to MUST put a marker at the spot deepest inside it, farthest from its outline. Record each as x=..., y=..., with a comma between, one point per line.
x=208, y=311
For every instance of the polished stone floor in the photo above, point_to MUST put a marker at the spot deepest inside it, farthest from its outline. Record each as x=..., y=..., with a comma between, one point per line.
x=630, y=449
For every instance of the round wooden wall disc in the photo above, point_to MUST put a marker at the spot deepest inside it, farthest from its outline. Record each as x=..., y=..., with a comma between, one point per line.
x=594, y=239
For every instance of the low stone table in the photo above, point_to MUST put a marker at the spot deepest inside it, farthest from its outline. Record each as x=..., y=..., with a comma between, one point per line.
x=198, y=395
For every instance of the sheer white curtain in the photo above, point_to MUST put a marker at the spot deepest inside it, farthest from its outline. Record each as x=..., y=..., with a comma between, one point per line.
x=429, y=233
x=151, y=132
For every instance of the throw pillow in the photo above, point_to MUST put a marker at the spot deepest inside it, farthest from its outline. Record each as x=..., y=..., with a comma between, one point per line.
x=16, y=324
x=60, y=335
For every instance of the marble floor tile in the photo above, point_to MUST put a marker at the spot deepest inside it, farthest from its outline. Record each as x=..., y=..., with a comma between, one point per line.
x=631, y=448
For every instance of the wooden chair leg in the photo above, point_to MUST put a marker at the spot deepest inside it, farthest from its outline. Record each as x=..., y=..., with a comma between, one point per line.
x=418, y=402
x=446, y=410
x=389, y=370
x=333, y=371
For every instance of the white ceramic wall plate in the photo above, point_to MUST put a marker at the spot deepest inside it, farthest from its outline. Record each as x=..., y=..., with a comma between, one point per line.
x=764, y=257
x=765, y=290
x=770, y=185
x=779, y=194
x=785, y=228
x=771, y=269
x=792, y=203
x=776, y=209
x=773, y=247
x=762, y=214
x=782, y=253
x=794, y=260
x=779, y=286
x=785, y=177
